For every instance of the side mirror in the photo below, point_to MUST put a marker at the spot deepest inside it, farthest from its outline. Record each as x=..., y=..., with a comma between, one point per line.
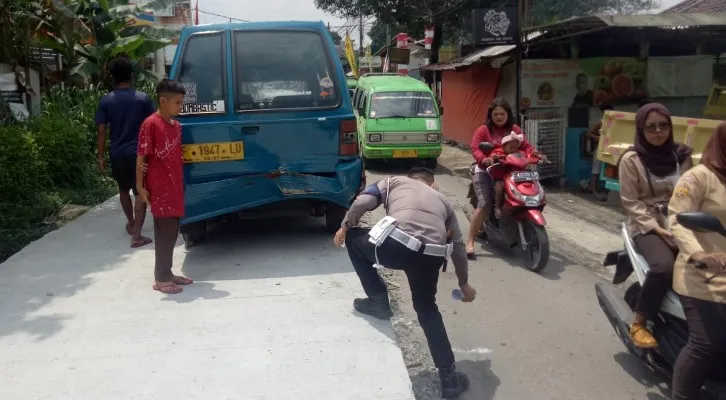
x=700, y=222
x=487, y=147
x=441, y=110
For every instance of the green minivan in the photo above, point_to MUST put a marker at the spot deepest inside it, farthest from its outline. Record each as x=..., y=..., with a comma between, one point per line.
x=352, y=84
x=398, y=118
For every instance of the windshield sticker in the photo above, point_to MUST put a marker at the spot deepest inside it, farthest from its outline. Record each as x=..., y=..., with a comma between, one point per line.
x=401, y=97
x=432, y=125
x=191, y=92
x=214, y=107
x=326, y=83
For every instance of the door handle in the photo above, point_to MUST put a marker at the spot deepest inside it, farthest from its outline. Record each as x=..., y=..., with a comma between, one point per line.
x=250, y=130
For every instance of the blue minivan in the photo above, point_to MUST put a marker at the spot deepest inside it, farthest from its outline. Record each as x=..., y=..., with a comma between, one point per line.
x=267, y=124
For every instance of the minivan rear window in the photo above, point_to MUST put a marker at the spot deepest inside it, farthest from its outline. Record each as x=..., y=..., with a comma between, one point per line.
x=202, y=73
x=277, y=70
x=402, y=105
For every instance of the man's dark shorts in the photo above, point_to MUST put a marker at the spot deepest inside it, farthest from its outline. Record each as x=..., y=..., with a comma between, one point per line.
x=123, y=170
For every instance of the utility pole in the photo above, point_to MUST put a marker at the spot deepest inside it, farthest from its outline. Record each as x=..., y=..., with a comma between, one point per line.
x=518, y=59
x=360, y=34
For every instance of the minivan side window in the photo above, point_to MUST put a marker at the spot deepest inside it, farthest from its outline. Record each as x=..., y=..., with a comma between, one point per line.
x=277, y=70
x=363, y=102
x=201, y=71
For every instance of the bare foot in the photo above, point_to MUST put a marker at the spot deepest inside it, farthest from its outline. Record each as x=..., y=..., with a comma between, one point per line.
x=470, y=251
x=130, y=227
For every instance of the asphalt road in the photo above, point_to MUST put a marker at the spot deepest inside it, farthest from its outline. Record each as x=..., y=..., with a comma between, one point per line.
x=527, y=336
x=270, y=317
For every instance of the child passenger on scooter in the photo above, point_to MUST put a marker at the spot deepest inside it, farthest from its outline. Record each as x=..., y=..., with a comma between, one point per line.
x=510, y=145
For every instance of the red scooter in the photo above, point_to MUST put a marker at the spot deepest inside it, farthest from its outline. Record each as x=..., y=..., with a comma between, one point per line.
x=521, y=222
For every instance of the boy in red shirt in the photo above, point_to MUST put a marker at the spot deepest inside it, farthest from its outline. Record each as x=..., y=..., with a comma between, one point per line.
x=162, y=186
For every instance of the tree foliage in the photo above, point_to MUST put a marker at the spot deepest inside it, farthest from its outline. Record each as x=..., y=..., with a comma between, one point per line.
x=86, y=33
x=547, y=11
x=454, y=16
x=337, y=39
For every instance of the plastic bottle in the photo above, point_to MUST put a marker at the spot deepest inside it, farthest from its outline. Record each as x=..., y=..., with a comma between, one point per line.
x=457, y=295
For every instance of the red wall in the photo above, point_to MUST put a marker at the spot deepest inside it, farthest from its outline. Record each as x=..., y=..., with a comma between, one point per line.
x=466, y=97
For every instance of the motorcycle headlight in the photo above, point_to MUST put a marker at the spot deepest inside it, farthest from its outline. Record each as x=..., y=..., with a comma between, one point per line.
x=374, y=137
x=432, y=137
x=529, y=201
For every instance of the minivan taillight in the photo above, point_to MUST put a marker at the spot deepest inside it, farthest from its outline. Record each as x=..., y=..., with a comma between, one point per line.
x=348, y=138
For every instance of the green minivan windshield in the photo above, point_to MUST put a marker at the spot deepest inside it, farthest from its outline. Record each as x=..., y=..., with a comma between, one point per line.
x=402, y=105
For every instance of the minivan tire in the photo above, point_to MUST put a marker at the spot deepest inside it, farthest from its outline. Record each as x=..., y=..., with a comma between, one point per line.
x=431, y=163
x=334, y=218
x=194, y=234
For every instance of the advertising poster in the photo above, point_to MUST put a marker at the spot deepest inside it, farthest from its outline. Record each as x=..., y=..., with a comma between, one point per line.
x=582, y=83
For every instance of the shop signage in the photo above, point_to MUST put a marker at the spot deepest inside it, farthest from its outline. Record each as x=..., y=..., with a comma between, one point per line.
x=495, y=26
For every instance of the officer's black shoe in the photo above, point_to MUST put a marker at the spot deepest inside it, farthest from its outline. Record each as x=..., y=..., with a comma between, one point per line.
x=376, y=306
x=453, y=383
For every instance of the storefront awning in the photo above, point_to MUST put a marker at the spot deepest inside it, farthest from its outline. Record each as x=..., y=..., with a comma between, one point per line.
x=489, y=53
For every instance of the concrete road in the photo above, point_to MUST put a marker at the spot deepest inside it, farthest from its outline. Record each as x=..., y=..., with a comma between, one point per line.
x=269, y=318
x=527, y=336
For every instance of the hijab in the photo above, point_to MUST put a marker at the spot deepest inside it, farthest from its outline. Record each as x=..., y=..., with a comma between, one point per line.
x=714, y=155
x=659, y=160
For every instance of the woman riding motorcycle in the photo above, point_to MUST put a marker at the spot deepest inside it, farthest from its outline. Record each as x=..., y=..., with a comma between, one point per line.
x=702, y=292
x=500, y=123
x=648, y=173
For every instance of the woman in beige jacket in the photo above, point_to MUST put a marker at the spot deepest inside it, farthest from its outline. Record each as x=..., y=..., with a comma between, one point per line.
x=648, y=173
x=702, y=292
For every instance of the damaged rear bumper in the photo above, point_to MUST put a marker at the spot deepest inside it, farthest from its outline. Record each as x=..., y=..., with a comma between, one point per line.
x=212, y=199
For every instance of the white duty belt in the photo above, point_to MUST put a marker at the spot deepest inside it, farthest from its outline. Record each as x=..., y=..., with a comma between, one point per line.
x=435, y=250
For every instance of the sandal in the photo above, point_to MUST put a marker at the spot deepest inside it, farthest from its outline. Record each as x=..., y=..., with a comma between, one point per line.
x=142, y=241
x=168, y=289
x=182, y=280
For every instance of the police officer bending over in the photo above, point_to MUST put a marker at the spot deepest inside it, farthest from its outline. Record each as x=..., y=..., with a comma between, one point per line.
x=412, y=238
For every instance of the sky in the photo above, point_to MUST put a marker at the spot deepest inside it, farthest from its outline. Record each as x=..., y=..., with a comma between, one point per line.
x=275, y=10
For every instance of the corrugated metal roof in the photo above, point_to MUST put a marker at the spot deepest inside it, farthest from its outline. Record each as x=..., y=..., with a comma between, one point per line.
x=697, y=6
x=477, y=56
x=639, y=21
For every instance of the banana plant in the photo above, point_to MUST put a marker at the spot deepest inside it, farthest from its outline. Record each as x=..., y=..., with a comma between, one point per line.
x=89, y=33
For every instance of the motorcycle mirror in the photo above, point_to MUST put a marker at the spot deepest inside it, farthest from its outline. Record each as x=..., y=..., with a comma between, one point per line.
x=700, y=222
x=486, y=146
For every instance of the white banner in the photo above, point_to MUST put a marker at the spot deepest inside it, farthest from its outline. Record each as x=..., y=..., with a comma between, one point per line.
x=684, y=76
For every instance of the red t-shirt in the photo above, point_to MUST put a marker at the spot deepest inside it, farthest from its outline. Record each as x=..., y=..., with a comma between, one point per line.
x=482, y=134
x=160, y=143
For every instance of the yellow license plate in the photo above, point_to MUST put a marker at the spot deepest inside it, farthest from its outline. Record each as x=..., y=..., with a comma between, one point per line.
x=207, y=152
x=405, y=153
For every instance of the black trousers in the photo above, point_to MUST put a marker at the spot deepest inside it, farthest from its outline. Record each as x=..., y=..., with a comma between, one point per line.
x=422, y=272
x=166, y=232
x=660, y=258
x=706, y=345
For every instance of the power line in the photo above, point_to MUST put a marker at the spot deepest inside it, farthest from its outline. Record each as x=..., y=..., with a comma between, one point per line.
x=222, y=16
